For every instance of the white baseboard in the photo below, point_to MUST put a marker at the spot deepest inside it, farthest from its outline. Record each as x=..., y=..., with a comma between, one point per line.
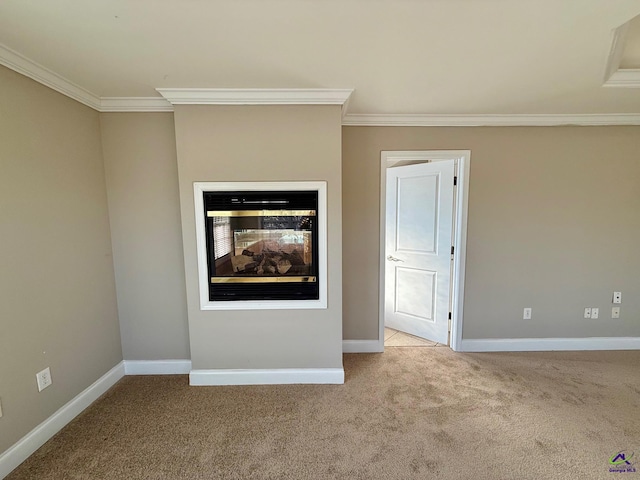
x=267, y=376
x=26, y=446
x=21, y=450
x=362, y=346
x=549, y=344
x=157, y=367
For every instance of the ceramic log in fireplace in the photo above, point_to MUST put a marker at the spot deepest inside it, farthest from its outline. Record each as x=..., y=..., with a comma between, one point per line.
x=263, y=244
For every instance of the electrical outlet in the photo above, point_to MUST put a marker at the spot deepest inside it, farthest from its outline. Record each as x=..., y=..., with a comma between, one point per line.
x=526, y=314
x=595, y=312
x=587, y=312
x=617, y=297
x=615, y=312
x=44, y=379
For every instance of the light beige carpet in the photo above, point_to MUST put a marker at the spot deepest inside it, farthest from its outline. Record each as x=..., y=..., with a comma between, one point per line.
x=410, y=413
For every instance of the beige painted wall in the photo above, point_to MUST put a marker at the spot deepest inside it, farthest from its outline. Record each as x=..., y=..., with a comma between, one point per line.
x=255, y=143
x=58, y=305
x=553, y=225
x=144, y=209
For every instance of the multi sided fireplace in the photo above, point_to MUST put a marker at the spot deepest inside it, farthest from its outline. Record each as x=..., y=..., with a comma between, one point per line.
x=262, y=244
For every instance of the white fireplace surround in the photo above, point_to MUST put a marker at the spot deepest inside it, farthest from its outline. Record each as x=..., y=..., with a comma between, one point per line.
x=199, y=188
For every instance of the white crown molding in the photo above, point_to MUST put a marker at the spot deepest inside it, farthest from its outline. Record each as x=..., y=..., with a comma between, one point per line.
x=135, y=104
x=491, y=120
x=24, y=66
x=614, y=76
x=618, y=42
x=256, y=96
x=624, y=78
x=21, y=64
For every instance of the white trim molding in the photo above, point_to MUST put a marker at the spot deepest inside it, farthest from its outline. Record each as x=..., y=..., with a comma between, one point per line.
x=362, y=346
x=614, y=56
x=37, y=437
x=624, y=78
x=21, y=64
x=614, y=76
x=157, y=367
x=135, y=104
x=549, y=344
x=24, y=66
x=491, y=120
x=199, y=188
x=279, y=376
x=256, y=96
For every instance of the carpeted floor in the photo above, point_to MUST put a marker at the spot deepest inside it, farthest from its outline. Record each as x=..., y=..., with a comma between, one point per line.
x=410, y=413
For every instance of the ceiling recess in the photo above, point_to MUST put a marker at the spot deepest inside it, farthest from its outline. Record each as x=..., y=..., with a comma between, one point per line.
x=623, y=63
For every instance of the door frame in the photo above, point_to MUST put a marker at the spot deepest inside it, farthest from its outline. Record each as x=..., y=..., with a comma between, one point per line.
x=462, y=160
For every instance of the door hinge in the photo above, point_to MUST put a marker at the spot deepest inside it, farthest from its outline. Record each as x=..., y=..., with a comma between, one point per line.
x=449, y=323
x=452, y=250
x=455, y=181
x=449, y=315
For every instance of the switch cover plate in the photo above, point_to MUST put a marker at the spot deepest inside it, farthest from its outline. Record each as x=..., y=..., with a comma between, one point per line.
x=615, y=312
x=617, y=297
x=587, y=312
x=526, y=314
x=595, y=312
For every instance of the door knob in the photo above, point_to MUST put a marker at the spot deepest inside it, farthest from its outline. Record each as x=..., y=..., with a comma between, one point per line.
x=394, y=259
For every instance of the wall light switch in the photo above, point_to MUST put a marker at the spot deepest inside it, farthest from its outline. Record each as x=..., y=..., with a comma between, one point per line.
x=617, y=297
x=587, y=313
x=526, y=315
x=595, y=312
x=615, y=312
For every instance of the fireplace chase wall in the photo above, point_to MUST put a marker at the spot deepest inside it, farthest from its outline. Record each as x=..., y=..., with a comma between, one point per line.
x=254, y=143
x=261, y=244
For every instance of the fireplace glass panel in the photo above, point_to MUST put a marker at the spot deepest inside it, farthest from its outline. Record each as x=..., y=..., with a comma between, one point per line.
x=262, y=254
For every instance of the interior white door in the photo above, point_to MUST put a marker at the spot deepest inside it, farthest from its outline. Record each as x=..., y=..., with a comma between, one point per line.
x=419, y=231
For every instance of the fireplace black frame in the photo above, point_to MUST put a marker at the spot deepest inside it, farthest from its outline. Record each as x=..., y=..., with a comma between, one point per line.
x=199, y=256
x=278, y=209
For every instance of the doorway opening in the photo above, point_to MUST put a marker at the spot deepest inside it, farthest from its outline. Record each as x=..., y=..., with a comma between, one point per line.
x=423, y=229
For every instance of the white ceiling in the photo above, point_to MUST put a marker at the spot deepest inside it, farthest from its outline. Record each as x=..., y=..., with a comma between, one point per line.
x=400, y=56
